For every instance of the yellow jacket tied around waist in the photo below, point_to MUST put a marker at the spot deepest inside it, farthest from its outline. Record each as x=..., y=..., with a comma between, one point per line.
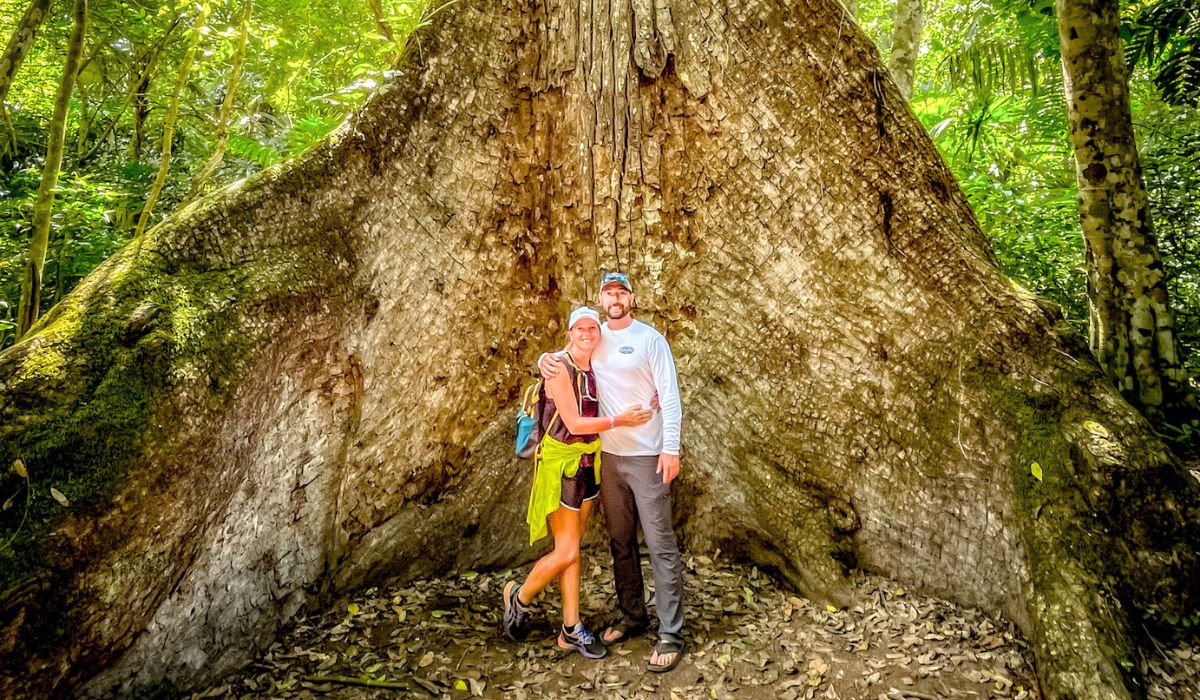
x=554, y=461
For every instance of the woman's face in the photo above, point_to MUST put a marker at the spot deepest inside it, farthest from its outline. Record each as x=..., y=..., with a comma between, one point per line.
x=584, y=334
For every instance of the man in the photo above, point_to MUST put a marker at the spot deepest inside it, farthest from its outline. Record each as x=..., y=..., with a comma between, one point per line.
x=633, y=363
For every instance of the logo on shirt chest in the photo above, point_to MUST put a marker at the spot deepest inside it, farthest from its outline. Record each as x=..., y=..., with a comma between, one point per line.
x=625, y=350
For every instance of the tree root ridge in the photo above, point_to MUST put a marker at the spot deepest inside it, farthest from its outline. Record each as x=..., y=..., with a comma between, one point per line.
x=1107, y=535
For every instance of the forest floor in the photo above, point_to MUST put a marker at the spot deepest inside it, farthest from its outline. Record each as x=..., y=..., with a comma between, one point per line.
x=749, y=638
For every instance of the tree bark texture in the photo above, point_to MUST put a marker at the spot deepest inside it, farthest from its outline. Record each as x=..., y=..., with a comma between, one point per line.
x=1132, y=329
x=304, y=384
x=906, y=43
x=19, y=43
x=31, y=281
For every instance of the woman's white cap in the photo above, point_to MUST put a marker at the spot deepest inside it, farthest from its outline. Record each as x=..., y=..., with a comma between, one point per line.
x=581, y=313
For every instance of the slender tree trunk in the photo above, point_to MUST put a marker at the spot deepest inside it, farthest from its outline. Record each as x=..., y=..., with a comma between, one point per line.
x=140, y=99
x=164, y=166
x=381, y=26
x=141, y=71
x=85, y=122
x=906, y=43
x=139, y=95
x=83, y=82
x=396, y=55
x=60, y=263
x=861, y=384
x=1132, y=330
x=14, y=54
x=31, y=283
x=235, y=74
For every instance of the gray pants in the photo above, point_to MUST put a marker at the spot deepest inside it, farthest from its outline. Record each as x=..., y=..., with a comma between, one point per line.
x=632, y=491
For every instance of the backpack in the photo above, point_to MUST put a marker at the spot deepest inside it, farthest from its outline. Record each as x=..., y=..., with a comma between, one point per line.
x=529, y=429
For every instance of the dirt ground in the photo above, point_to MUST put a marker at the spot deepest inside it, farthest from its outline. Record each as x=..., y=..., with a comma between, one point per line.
x=748, y=638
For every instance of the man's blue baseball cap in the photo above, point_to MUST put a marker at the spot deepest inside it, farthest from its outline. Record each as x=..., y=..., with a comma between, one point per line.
x=616, y=278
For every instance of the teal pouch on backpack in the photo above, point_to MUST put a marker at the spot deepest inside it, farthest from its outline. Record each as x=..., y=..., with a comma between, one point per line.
x=525, y=441
x=528, y=435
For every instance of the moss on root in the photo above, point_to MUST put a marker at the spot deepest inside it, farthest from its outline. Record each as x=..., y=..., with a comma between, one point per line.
x=84, y=395
x=82, y=401
x=1085, y=597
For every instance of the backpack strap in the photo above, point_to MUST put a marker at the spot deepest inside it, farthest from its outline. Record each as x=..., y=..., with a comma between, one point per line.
x=530, y=397
x=566, y=357
x=579, y=379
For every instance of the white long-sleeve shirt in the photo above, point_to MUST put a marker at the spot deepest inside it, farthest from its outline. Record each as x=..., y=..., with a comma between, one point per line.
x=630, y=365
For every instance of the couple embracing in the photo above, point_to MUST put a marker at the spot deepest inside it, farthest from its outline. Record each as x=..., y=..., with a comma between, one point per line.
x=600, y=384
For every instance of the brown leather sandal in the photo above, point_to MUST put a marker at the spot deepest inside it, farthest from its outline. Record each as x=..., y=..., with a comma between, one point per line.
x=624, y=629
x=667, y=646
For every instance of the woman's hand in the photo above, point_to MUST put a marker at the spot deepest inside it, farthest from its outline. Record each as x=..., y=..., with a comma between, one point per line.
x=633, y=416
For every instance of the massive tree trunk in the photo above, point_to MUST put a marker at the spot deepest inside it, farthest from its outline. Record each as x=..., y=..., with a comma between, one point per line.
x=1132, y=329
x=304, y=384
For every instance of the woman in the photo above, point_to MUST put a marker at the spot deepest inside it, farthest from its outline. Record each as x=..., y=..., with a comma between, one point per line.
x=566, y=485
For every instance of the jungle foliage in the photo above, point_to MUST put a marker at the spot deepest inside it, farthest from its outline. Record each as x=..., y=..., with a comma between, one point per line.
x=307, y=66
x=989, y=88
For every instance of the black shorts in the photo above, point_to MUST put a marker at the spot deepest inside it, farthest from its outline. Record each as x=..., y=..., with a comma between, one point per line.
x=581, y=487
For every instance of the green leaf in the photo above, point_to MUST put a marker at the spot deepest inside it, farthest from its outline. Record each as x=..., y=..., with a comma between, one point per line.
x=1036, y=470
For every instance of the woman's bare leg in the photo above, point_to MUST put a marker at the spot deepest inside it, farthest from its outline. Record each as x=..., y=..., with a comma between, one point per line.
x=568, y=580
x=564, y=526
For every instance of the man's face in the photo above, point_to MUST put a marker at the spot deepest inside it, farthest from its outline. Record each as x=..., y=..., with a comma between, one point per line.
x=615, y=300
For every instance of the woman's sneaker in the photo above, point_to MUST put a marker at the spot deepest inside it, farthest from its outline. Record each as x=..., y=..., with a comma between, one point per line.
x=581, y=640
x=515, y=620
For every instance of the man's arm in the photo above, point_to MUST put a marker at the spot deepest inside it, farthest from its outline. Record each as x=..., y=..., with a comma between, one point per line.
x=550, y=366
x=662, y=366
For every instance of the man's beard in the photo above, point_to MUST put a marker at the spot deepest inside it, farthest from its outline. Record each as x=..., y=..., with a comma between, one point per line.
x=621, y=311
